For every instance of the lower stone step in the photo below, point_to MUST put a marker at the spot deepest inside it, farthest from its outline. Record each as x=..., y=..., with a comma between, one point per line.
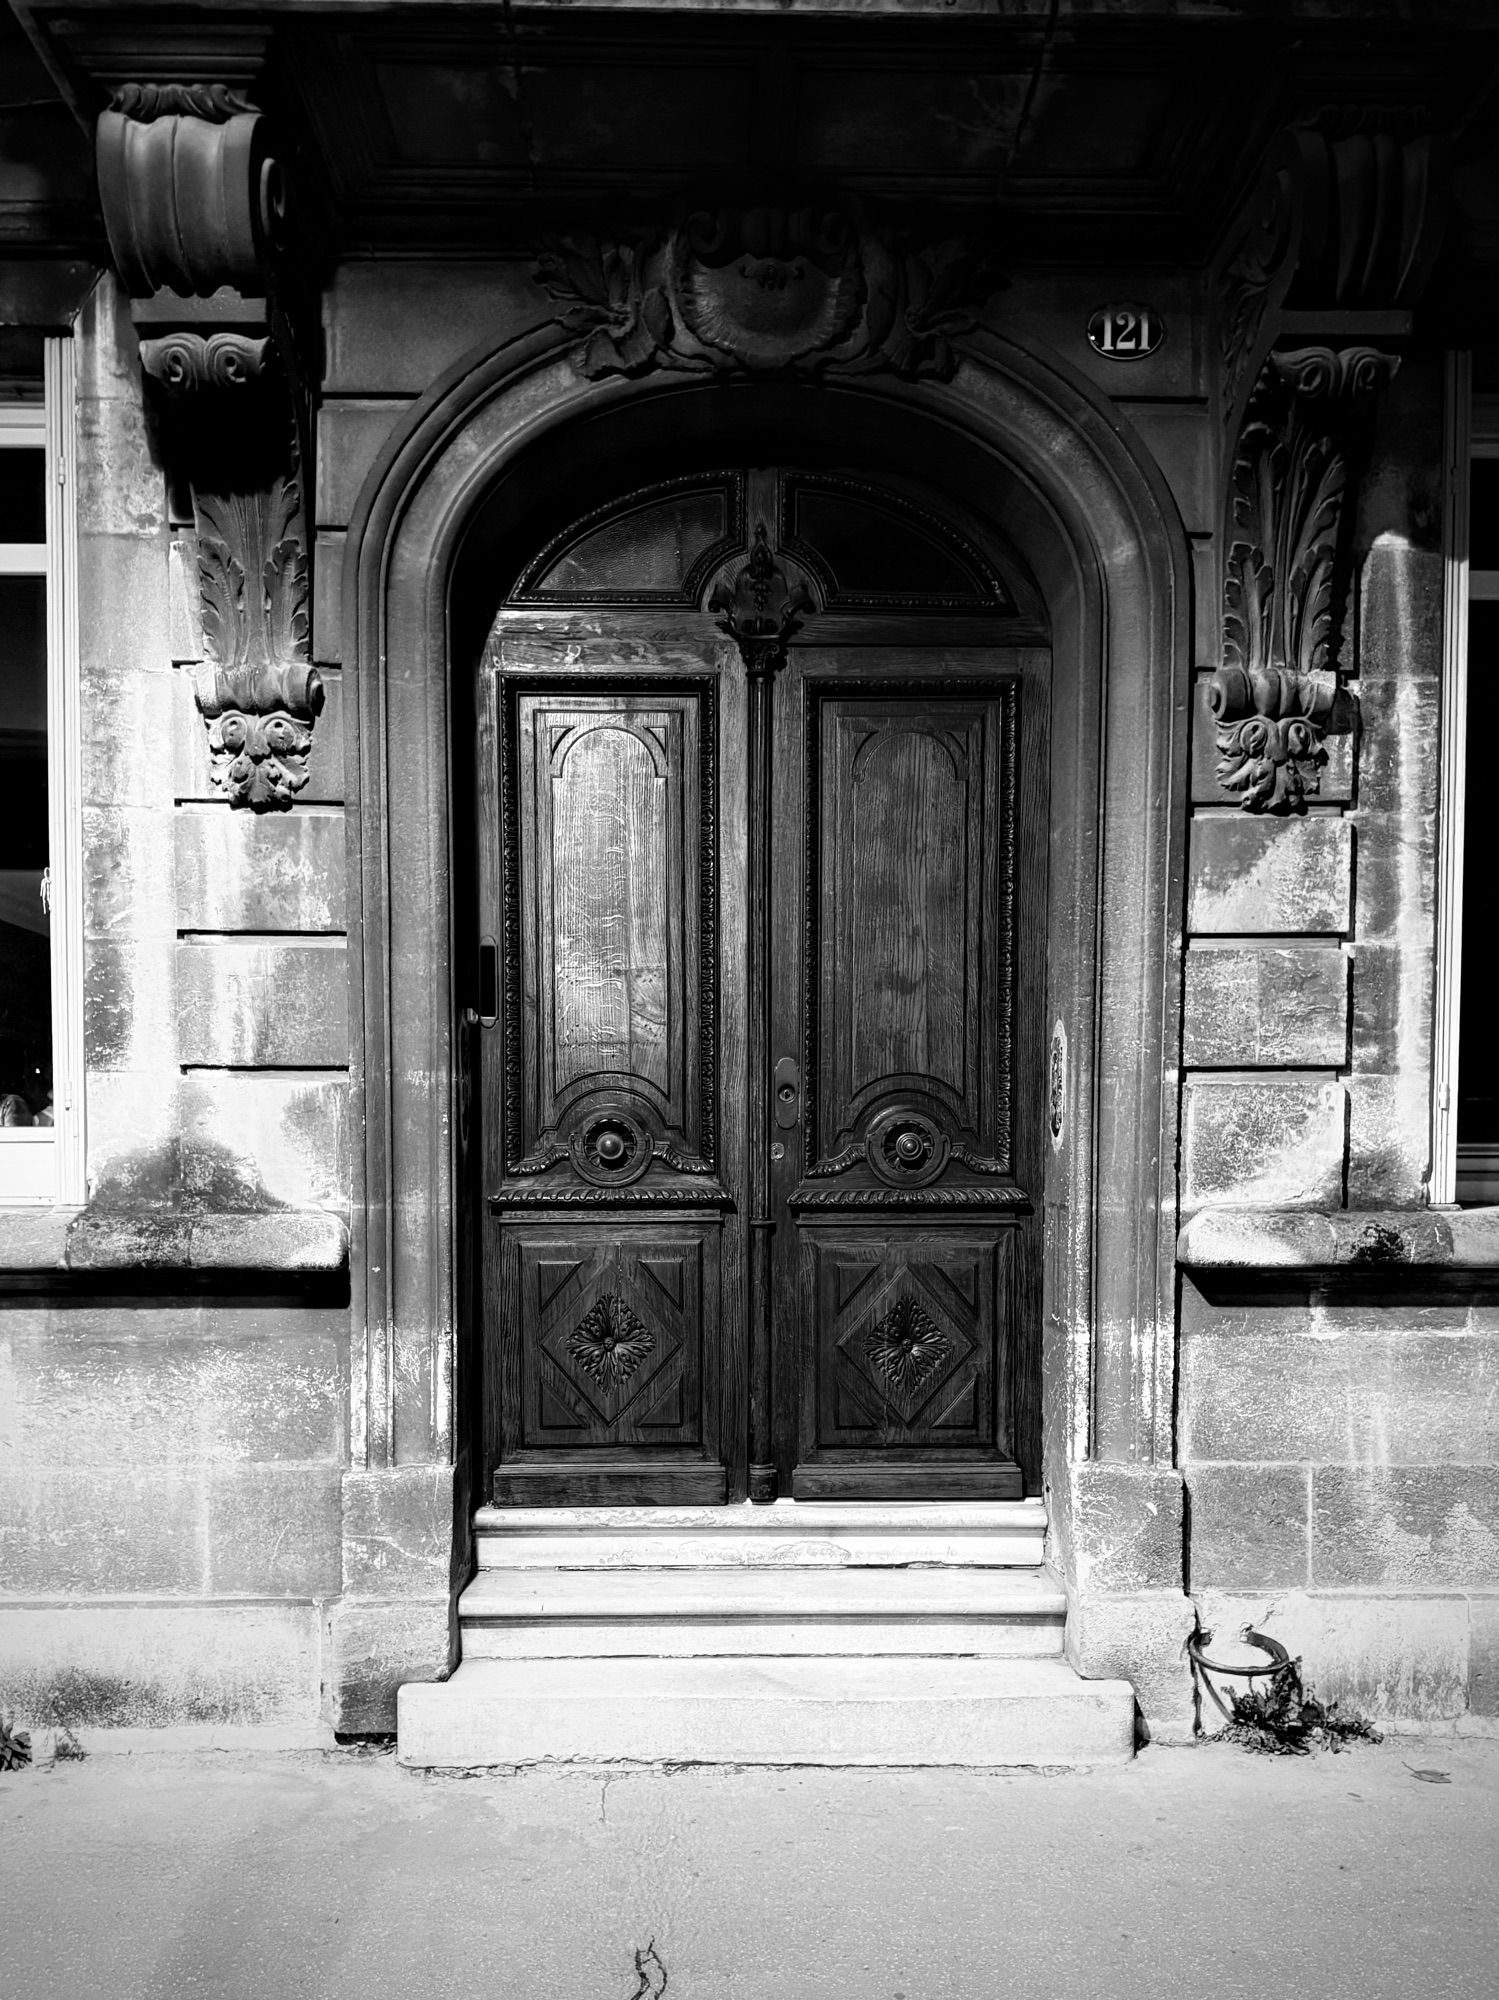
x=963, y=1712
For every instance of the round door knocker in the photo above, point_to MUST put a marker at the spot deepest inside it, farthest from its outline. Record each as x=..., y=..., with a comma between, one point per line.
x=610, y=1150
x=905, y=1148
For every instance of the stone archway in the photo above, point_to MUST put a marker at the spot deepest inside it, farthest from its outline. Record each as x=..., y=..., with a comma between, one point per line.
x=1102, y=539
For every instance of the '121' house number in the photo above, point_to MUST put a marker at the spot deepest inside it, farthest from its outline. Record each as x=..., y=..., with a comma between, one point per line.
x=1126, y=333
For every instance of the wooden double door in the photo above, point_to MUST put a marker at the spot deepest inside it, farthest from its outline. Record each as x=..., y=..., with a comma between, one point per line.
x=760, y=1119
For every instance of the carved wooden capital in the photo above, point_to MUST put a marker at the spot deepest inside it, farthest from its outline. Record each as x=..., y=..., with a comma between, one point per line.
x=1286, y=581
x=760, y=289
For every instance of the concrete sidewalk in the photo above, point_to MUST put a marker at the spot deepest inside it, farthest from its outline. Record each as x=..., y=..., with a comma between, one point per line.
x=341, y=1877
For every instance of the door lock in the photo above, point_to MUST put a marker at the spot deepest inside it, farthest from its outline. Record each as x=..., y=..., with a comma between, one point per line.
x=788, y=1094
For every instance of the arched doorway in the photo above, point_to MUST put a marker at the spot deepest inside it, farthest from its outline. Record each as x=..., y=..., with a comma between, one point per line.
x=757, y=1148
x=1017, y=454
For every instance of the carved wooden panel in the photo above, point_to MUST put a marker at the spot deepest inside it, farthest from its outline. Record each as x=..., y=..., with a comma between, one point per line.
x=910, y=951
x=610, y=1329
x=908, y=1342
x=610, y=855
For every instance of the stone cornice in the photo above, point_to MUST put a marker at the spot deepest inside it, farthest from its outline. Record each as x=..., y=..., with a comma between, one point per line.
x=1366, y=1243
x=43, y=1242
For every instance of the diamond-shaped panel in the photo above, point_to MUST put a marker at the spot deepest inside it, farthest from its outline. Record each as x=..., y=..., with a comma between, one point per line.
x=605, y=1350
x=904, y=1352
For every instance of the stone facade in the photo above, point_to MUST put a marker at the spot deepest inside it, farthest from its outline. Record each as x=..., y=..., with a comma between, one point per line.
x=237, y=1386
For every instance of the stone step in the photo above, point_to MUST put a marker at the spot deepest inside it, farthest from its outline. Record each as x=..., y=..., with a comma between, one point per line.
x=518, y=1614
x=787, y=1534
x=965, y=1712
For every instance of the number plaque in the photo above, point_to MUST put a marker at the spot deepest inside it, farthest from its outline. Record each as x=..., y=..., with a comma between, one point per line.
x=1126, y=333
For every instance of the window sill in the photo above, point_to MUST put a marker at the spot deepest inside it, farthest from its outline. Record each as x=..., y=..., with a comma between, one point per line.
x=1369, y=1244
x=37, y=1239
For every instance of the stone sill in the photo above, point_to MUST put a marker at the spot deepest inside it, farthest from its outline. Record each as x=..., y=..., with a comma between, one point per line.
x=1367, y=1242
x=81, y=1239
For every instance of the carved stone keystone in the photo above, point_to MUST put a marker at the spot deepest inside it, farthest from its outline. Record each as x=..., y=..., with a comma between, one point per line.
x=815, y=289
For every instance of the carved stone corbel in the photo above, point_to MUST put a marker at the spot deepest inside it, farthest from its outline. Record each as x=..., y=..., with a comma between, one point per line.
x=1277, y=692
x=1346, y=221
x=1319, y=277
x=195, y=203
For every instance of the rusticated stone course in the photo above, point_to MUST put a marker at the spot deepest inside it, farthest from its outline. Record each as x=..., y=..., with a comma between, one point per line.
x=1257, y=1005
x=1405, y=1527
x=1248, y=1526
x=1256, y=877
x=1250, y=1139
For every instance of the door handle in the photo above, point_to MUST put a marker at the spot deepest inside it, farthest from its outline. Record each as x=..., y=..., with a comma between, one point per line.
x=788, y=1094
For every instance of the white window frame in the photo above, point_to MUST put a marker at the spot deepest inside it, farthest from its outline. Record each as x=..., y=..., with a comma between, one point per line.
x=43, y=1164
x=1472, y=431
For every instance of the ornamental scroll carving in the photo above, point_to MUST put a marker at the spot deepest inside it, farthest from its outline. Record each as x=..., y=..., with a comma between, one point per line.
x=1346, y=219
x=196, y=207
x=762, y=609
x=1277, y=692
x=761, y=289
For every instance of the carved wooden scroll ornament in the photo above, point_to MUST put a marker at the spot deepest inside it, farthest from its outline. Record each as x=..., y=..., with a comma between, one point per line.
x=761, y=610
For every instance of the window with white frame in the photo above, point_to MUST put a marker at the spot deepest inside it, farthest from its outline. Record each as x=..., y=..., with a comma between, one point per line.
x=41, y=1153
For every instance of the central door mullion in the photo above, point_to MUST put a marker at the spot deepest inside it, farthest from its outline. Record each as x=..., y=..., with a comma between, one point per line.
x=760, y=609
x=761, y=675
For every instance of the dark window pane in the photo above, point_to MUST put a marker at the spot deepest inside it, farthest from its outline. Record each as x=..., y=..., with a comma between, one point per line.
x=1478, y=1048
x=1483, y=517
x=25, y=951
x=650, y=549
x=23, y=508
x=877, y=555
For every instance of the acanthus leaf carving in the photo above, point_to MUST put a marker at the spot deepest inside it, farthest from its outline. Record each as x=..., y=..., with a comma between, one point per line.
x=215, y=102
x=256, y=689
x=1276, y=692
x=763, y=288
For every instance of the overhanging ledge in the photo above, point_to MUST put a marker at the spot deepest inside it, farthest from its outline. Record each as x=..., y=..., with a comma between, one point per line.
x=36, y=1240
x=1370, y=1244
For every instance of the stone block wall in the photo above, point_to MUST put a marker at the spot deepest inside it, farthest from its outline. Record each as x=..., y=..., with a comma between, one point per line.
x=1339, y=1445
x=1342, y=1464
x=174, y=1411
x=169, y=1509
